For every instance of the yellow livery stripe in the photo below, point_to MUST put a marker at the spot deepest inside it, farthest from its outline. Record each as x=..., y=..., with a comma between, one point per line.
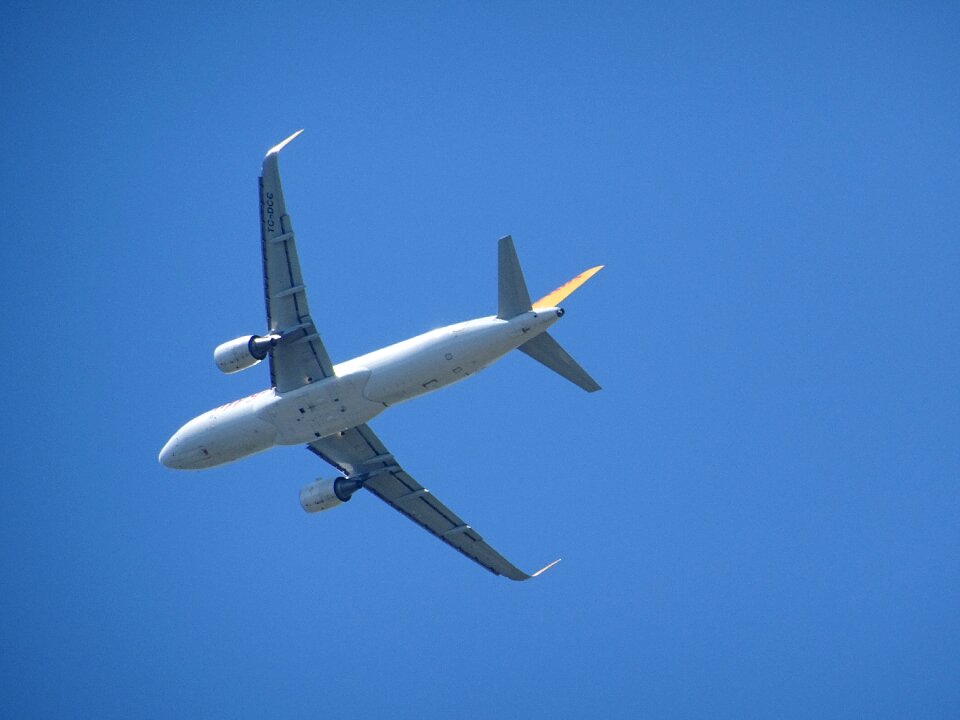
x=558, y=295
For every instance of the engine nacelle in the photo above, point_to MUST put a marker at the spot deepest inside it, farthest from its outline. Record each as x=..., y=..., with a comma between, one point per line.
x=326, y=494
x=243, y=352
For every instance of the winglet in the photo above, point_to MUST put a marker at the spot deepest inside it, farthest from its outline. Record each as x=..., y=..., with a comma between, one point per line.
x=558, y=295
x=545, y=568
x=280, y=146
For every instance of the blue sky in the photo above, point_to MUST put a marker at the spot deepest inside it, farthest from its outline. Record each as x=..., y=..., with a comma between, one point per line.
x=758, y=514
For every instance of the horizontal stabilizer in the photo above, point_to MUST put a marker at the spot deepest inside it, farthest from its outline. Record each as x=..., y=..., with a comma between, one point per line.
x=546, y=350
x=512, y=288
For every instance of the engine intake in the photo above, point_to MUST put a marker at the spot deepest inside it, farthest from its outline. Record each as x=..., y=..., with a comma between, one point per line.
x=326, y=494
x=243, y=352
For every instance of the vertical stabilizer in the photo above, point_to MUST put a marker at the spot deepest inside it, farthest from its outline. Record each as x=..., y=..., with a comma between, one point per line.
x=513, y=296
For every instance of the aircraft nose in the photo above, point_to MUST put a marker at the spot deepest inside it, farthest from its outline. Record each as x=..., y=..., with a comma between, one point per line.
x=168, y=455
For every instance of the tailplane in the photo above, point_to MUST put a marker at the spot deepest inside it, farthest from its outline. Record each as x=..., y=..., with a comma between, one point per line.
x=512, y=288
x=513, y=300
x=544, y=349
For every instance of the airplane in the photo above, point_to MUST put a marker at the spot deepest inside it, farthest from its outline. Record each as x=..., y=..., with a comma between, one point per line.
x=326, y=407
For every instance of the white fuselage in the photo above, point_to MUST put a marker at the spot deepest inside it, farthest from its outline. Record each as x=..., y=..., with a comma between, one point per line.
x=360, y=389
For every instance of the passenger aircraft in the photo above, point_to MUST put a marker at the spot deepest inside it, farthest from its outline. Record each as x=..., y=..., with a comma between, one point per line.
x=311, y=401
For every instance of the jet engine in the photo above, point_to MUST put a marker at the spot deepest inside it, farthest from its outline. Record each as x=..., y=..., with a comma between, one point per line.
x=243, y=352
x=325, y=494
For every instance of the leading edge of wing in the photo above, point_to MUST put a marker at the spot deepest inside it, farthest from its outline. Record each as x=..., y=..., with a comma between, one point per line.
x=359, y=452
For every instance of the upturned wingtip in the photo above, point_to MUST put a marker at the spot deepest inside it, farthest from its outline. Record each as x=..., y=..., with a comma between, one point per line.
x=281, y=145
x=545, y=568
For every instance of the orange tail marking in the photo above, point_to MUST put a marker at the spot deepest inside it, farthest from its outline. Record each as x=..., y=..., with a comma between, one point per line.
x=557, y=296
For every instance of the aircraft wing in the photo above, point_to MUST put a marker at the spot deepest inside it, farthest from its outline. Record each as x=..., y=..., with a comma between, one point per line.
x=358, y=452
x=300, y=357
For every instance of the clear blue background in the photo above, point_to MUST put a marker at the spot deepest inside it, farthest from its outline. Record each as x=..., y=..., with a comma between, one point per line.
x=758, y=515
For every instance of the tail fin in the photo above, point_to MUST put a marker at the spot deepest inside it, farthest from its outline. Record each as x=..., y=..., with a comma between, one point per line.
x=544, y=349
x=513, y=296
x=561, y=293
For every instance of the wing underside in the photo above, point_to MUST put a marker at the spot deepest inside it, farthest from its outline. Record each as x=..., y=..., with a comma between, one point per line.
x=359, y=452
x=300, y=357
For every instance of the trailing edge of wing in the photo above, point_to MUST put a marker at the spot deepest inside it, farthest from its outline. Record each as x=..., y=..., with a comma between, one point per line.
x=358, y=452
